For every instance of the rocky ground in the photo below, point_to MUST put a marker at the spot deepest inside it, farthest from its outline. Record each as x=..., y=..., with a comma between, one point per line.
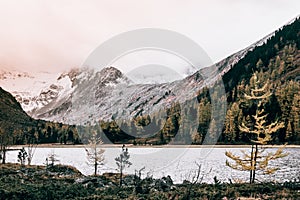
x=66, y=182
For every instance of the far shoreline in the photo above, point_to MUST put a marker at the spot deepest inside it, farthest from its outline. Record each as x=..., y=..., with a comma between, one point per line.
x=57, y=145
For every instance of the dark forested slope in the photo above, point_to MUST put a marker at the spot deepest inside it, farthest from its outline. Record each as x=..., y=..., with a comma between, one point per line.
x=17, y=127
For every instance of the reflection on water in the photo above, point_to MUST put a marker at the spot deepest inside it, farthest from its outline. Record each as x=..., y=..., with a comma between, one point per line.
x=179, y=163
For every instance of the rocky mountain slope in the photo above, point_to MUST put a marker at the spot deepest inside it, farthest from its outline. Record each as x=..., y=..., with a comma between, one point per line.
x=34, y=90
x=11, y=114
x=95, y=97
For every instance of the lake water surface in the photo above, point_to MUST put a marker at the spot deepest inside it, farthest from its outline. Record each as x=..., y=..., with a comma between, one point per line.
x=179, y=163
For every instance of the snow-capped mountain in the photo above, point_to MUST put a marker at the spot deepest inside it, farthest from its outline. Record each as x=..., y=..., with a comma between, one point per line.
x=109, y=93
x=87, y=85
x=34, y=90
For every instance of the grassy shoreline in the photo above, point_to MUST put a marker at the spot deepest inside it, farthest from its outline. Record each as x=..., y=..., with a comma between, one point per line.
x=66, y=182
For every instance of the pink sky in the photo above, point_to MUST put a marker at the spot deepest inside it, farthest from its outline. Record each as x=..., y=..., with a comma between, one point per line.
x=55, y=35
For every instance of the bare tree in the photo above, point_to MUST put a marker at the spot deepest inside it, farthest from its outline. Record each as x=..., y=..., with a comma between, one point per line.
x=95, y=155
x=122, y=162
x=194, y=177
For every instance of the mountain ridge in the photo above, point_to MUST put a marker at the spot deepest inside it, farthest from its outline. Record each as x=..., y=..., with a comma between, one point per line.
x=51, y=97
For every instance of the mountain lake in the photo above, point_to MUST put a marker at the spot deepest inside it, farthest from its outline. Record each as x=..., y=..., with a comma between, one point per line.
x=180, y=163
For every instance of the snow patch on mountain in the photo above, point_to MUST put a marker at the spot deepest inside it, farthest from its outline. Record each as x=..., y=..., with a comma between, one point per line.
x=34, y=90
x=109, y=94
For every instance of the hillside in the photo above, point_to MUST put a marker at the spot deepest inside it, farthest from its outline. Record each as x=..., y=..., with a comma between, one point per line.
x=277, y=60
x=11, y=113
x=285, y=44
x=16, y=127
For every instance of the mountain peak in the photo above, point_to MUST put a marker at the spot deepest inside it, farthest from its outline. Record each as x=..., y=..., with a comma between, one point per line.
x=111, y=70
x=109, y=75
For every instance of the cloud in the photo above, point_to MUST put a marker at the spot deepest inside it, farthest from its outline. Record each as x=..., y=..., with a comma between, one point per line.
x=56, y=35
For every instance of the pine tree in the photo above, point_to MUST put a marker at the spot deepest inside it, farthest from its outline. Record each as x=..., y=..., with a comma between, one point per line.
x=295, y=113
x=95, y=155
x=231, y=128
x=212, y=132
x=289, y=132
x=22, y=155
x=204, y=113
x=259, y=134
x=122, y=162
x=196, y=137
x=52, y=158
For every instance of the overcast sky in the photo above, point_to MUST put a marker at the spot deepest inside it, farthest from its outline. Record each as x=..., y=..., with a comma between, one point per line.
x=56, y=35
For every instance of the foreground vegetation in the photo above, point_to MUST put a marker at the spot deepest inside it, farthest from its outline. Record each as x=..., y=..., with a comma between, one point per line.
x=65, y=182
x=277, y=62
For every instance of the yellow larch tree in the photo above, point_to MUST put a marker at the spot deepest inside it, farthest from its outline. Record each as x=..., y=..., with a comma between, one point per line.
x=260, y=134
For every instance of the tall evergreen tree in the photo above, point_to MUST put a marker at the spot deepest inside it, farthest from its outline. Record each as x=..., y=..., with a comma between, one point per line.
x=231, y=127
x=122, y=162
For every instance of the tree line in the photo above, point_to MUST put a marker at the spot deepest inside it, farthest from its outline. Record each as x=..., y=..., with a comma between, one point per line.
x=276, y=62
